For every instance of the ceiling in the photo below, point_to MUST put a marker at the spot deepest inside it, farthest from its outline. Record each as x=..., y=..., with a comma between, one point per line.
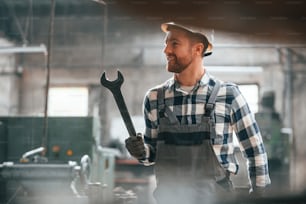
x=276, y=20
x=273, y=20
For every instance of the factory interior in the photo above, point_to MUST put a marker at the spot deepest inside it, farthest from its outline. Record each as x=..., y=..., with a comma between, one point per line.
x=61, y=132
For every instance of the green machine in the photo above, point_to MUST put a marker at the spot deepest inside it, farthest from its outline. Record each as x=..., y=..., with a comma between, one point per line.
x=68, y=138
x=24, y=162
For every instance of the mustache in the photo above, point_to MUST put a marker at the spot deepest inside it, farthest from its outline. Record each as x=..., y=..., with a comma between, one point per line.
x=171, y=56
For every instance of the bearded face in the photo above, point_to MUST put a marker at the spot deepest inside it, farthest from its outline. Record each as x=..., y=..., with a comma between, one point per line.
x=177, y=64
x=178, y=51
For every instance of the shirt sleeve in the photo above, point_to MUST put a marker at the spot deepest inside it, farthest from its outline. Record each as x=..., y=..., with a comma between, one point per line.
x=151, y=124
x=250, y=140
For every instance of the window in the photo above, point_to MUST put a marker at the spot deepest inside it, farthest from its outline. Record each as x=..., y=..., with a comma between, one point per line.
x=250, y=93
x=68, y=101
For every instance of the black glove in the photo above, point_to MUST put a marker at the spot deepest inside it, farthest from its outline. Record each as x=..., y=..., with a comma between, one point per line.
x=135, y=146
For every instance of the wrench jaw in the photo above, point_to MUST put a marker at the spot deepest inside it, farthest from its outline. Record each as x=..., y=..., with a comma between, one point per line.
x=112, y=85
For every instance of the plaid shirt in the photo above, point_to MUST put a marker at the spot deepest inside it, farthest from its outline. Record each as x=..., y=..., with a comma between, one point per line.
x=232, y=114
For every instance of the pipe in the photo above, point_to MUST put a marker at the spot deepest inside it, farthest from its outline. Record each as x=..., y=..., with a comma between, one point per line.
x=24, y=49
x=259, y=45
x=50, y=43
x=32, y=152
x=288, y=88
x=236, y=69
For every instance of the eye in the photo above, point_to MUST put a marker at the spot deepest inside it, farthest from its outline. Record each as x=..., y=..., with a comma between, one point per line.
x=171, y=43
x=174, y=43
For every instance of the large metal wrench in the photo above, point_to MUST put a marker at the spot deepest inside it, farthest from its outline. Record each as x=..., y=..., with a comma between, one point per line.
x=114, y=87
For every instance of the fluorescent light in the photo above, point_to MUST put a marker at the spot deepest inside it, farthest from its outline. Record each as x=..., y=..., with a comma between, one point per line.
x=100, y=1
x=235, y=69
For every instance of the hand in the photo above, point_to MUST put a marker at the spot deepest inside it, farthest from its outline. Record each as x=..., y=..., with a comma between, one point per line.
x=135, y=146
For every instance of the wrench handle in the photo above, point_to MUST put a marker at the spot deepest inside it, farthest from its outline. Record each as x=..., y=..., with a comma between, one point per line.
x=124, y=113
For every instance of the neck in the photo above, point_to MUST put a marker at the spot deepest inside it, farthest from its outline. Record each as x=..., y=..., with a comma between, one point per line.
x=190, y=77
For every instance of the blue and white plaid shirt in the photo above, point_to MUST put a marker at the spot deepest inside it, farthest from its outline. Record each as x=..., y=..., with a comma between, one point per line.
x=232, y=114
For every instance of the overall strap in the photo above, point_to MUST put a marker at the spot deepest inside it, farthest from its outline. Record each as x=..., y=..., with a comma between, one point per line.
x=210, y=105
x=162, y=108
x=208, y=116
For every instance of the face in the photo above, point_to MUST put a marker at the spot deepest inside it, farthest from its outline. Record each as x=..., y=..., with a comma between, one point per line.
x=178, y=50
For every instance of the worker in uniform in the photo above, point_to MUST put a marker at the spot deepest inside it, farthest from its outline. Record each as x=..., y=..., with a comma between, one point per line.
x=190, y=121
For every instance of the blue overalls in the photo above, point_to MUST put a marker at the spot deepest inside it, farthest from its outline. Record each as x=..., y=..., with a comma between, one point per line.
x=186, y=168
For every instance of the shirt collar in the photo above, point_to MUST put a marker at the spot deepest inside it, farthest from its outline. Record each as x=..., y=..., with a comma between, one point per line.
x=172, y=84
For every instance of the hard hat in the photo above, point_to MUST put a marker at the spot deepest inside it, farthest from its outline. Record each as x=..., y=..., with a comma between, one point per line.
x=167, y=27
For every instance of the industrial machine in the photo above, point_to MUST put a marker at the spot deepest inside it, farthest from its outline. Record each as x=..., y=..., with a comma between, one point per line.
x=72, y=168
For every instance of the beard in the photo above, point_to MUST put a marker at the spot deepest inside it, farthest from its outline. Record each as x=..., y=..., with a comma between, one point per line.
x=177, y=65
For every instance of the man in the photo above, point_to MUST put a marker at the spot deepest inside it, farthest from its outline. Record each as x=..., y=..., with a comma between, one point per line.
x=190, y=120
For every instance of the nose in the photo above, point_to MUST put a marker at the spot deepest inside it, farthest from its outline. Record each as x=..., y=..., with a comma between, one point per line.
x=166, y=49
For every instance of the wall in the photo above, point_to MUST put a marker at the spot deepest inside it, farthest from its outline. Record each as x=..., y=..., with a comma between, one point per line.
x=9, y=81
x=298, y=153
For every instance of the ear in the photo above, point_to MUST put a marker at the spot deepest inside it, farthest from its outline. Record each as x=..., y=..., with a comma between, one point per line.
x=199, y=47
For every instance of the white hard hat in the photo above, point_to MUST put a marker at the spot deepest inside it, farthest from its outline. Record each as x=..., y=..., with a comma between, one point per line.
x=167, y=26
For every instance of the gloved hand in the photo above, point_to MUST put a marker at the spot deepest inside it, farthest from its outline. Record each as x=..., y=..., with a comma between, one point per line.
x=136, y=147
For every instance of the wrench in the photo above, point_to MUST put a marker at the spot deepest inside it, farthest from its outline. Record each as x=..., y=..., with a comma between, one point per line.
x=114, y=87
